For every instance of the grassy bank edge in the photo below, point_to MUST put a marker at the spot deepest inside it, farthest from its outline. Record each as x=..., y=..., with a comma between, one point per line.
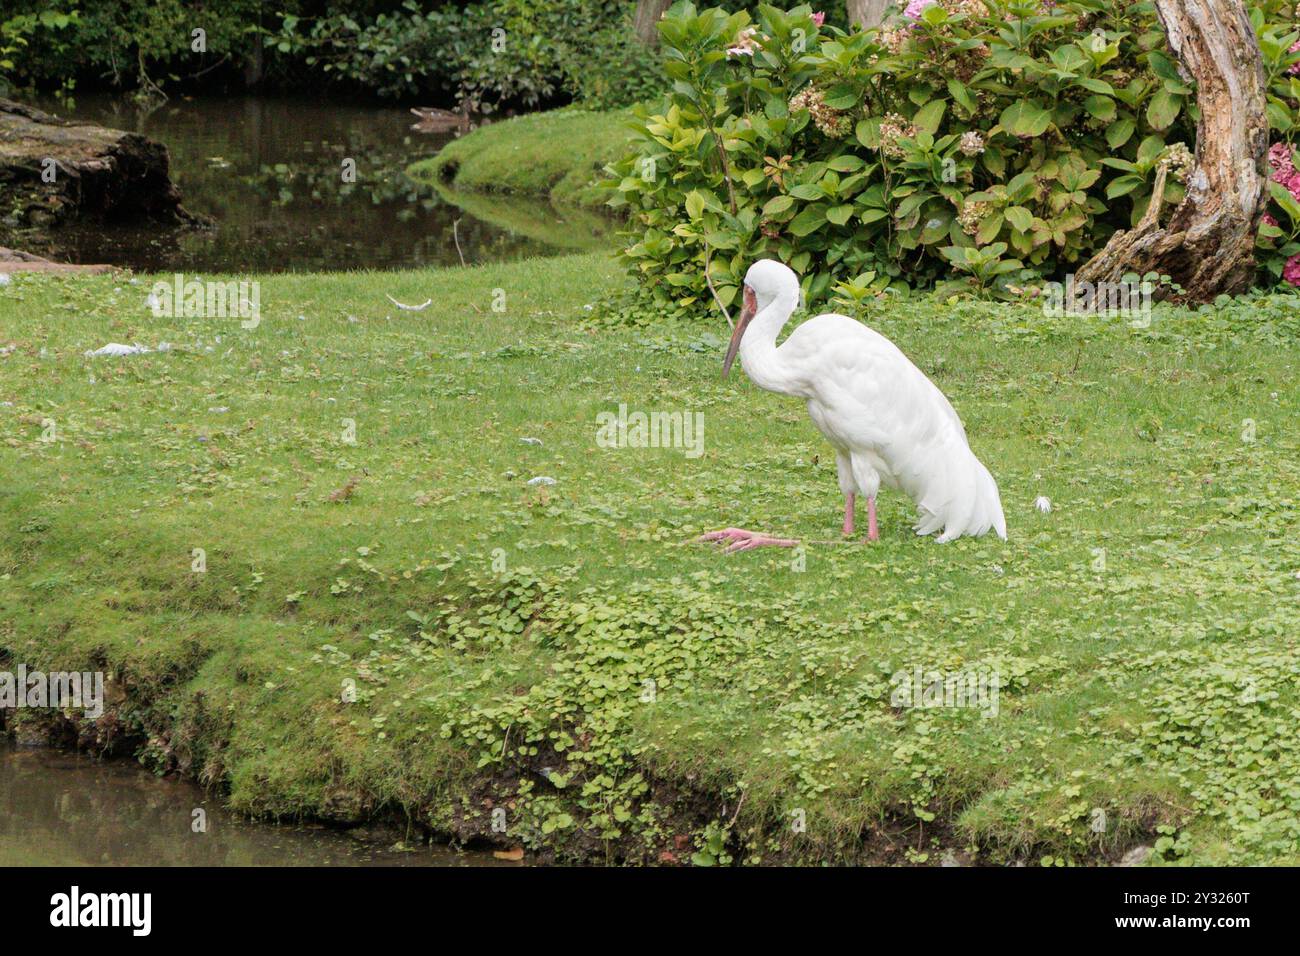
x=187, y=702
x=159, y=699
x=556, y=156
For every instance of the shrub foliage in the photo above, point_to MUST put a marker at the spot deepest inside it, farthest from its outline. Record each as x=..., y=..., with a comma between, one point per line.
x=490, y=53
x=967, y=143
x=520, y=52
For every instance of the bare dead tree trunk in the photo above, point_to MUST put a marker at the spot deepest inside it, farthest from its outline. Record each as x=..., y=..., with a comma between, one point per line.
x=1208, y=247
x=867, y=13
x=648, y=13
x=254, y=64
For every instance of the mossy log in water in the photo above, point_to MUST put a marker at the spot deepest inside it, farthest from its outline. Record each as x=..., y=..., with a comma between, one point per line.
x=13, y=261
x=53, y=170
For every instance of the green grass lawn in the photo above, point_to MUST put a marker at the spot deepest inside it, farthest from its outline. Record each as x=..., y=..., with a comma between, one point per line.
x=565, y=654
x=556, y=156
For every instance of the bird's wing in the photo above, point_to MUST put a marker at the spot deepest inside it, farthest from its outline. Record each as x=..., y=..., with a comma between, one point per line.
x=864, y=379
x=869, y=399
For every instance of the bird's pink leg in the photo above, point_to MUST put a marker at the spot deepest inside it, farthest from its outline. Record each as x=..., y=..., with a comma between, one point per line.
x=738, y=539
x=849, y=501
x=873, y=532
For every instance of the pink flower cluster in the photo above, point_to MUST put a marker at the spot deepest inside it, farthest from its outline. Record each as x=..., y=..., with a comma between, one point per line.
x=913, y=11
x=1291, y=271
x=1294, y=68
x=1285, y=173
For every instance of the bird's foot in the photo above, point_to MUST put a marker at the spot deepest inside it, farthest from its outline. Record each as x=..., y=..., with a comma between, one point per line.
x=738, y=539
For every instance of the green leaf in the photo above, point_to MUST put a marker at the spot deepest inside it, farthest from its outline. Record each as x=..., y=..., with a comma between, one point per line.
x=842, y=98
x=934, y=15
x=1020, y=217
x=846, y=163
x=1101, y=107
x=1283, y=198
x=1068, y=59
x=1120, y=133
x=1150, y=148
x=1162, y=66
x=1025, y=118
x=1279, y=117
x=1021, y=186
x=839, y=215
x=1095, y=86
x=1163, y=109
x=1123, y=164
x=989, y=228
x=809, y=221
x=694, y=204
x=995, y=161
x=911, y=204
x=868, y=133
x=929, y=116
x=961, y=95
x=807, y=191
x=1123, y=186
x=777, y=205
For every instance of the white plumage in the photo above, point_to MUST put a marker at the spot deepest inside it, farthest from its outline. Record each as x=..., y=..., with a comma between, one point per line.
x=888, y=423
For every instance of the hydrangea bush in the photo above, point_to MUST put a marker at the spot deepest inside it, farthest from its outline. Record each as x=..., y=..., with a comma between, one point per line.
x=977, y=144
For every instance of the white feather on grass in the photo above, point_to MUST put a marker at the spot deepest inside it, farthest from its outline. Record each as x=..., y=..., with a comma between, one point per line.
x=409, y=308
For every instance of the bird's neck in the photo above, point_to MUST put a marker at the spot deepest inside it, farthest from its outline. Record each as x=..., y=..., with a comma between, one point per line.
x=758, y=352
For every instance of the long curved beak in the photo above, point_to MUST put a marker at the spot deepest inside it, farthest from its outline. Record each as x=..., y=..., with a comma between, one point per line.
x=746, y=313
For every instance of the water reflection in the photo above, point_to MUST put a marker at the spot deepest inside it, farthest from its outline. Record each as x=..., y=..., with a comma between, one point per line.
x=71, y=810
x=270, y=172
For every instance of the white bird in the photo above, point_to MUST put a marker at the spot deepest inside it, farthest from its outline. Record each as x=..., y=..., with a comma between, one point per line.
x=888, y=423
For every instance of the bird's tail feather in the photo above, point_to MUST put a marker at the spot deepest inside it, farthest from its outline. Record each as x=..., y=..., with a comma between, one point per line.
x=960, y=497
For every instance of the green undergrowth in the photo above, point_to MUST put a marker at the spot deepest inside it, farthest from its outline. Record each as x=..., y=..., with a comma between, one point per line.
x=385, y=617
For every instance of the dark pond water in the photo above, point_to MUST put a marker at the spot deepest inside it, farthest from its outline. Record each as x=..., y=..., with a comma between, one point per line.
x=59, y=809
x=270, y=172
